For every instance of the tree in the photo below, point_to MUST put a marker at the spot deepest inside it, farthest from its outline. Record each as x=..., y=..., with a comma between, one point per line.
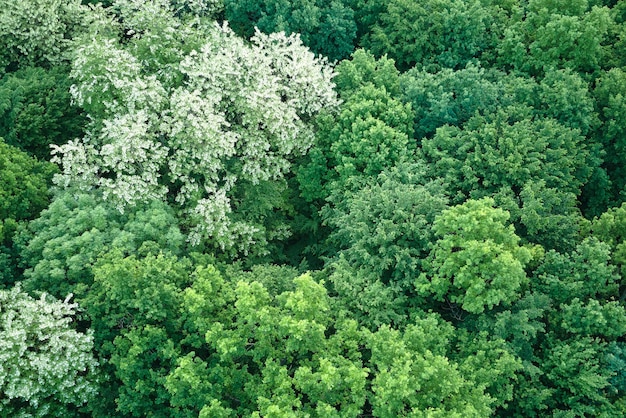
x=556, y=34
x=454, y=96
x=218, y=116
x=610, y=228
x=39, y=32
x=24, y=184
x=59, y=248
x=610, y=94
x=505, y=151
x=431, y=34
x=134, y=306
x=381, y=234
x=35, y=110
x=269, y=355
x=449, y=97
x=327, y=28
x=48, y=368
x=585, y=273
x=370, y=133
x=476, y=261
x=413, y=377
x=548, y=217
x=363, y=69
x=579, y=379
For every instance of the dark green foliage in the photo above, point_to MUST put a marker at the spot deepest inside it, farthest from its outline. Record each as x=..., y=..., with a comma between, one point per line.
x=610, y=93
x=328, y=28
x=584, y=274
x=578, y=379
x=381, y=233
x=35, y=110
x=24, y=183
x=431, y=34
x=548, y=217
x=453, y=97
x=504, y=152
x=449, y=97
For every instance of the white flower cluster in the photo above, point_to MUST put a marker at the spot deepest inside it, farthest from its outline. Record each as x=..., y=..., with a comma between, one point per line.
x=44, y=363
x=238, y=112
x=36, y=32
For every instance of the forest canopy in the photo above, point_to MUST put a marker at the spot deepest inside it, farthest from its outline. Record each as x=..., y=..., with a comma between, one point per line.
x=271, y=208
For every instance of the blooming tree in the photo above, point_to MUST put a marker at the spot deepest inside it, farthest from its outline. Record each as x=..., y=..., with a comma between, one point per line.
x=46, y=367
x=195, y=119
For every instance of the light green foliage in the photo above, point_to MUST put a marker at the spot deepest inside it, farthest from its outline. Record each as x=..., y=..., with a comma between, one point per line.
x=193, y=123
x=135, y=311
x=476, y=261
x=371, y=133
x=556, y=34
x=382, y=232
x=436, y=33
x=46, y=366
x=328, y=28
x=129, y=293
x=411, y=376
x=35, y=110
x=275, y=279
x=363, y=69
x=38, y=32
x=494, y=154
x=592, y=318
x=275, y=356
x=488, y=362
x=61, y=246
x=610, y=228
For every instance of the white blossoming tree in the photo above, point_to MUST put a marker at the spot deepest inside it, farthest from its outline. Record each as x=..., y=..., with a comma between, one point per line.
x=183, y=110
x=46, y=367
